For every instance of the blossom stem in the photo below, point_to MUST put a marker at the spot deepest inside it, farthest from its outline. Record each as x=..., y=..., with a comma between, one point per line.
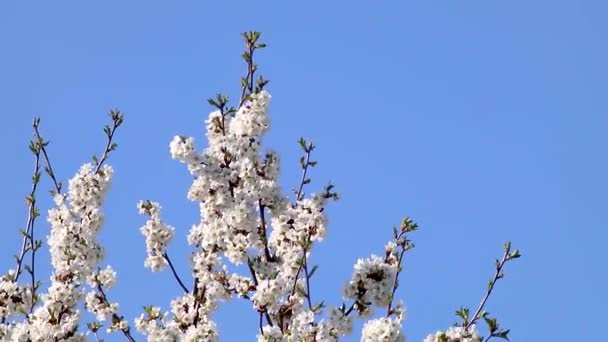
x=261, y=323
x=348, y=312
x=307, y=280
x=175, y=275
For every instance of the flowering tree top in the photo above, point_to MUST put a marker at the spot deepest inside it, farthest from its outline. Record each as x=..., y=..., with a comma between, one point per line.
x=245, y=219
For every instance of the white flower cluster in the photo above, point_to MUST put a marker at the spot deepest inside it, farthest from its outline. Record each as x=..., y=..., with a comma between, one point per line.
x=158, y=235
x=383, y=329
x=455, y=334
x=95, y=303
x=75, y=256
x=14, y=298
x=304, y=328
x=159, y=328
x=245, y=219
x=372, y=283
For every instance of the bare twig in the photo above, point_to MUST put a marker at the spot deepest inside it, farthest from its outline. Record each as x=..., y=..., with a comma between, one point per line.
x=175, y=275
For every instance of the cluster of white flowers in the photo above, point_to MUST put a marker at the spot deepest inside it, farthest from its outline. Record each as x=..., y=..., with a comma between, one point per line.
x=14, y=298
x=383, y=329
x=245, y=218
x=159, y=328
x=455, y=334
x=75, y=256
x=372, y=283
x=158, y=235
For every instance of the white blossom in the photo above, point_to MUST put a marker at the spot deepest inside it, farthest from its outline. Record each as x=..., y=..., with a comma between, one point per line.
x=455, y=334
x=383, y=329
x=157, y=234
x=372, y=281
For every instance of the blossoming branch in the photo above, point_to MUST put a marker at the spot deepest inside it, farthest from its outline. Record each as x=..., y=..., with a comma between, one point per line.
x=245, y=219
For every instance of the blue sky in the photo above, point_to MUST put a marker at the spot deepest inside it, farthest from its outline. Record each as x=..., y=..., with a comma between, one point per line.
x=482, y=120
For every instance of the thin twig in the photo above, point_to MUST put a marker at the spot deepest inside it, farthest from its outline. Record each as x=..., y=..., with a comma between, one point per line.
x=28, y=234
x=396, y=280
x=250, y=72
x=307, y=281
x=31, y=200
x=261, y=323
x=295, y=283
x=407, y=226
x=117, y=119
x=175, y=275
x=497, y=275
x=49, y=167
x=303, y=179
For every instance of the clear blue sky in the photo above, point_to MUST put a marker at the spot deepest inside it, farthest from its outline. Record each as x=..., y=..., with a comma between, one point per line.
x=483, y=120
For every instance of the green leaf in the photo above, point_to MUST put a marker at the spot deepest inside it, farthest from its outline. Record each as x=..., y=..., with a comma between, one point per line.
x=213, y=103
x=318, y=307
x=302, y=143
x=313, y=270
x=463, y=313
x=492, y=324
x=503, y=334
x=301, y=291
x=514, y=255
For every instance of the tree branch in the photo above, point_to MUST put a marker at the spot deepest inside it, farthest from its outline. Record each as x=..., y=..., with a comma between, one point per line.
x=175, y=275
